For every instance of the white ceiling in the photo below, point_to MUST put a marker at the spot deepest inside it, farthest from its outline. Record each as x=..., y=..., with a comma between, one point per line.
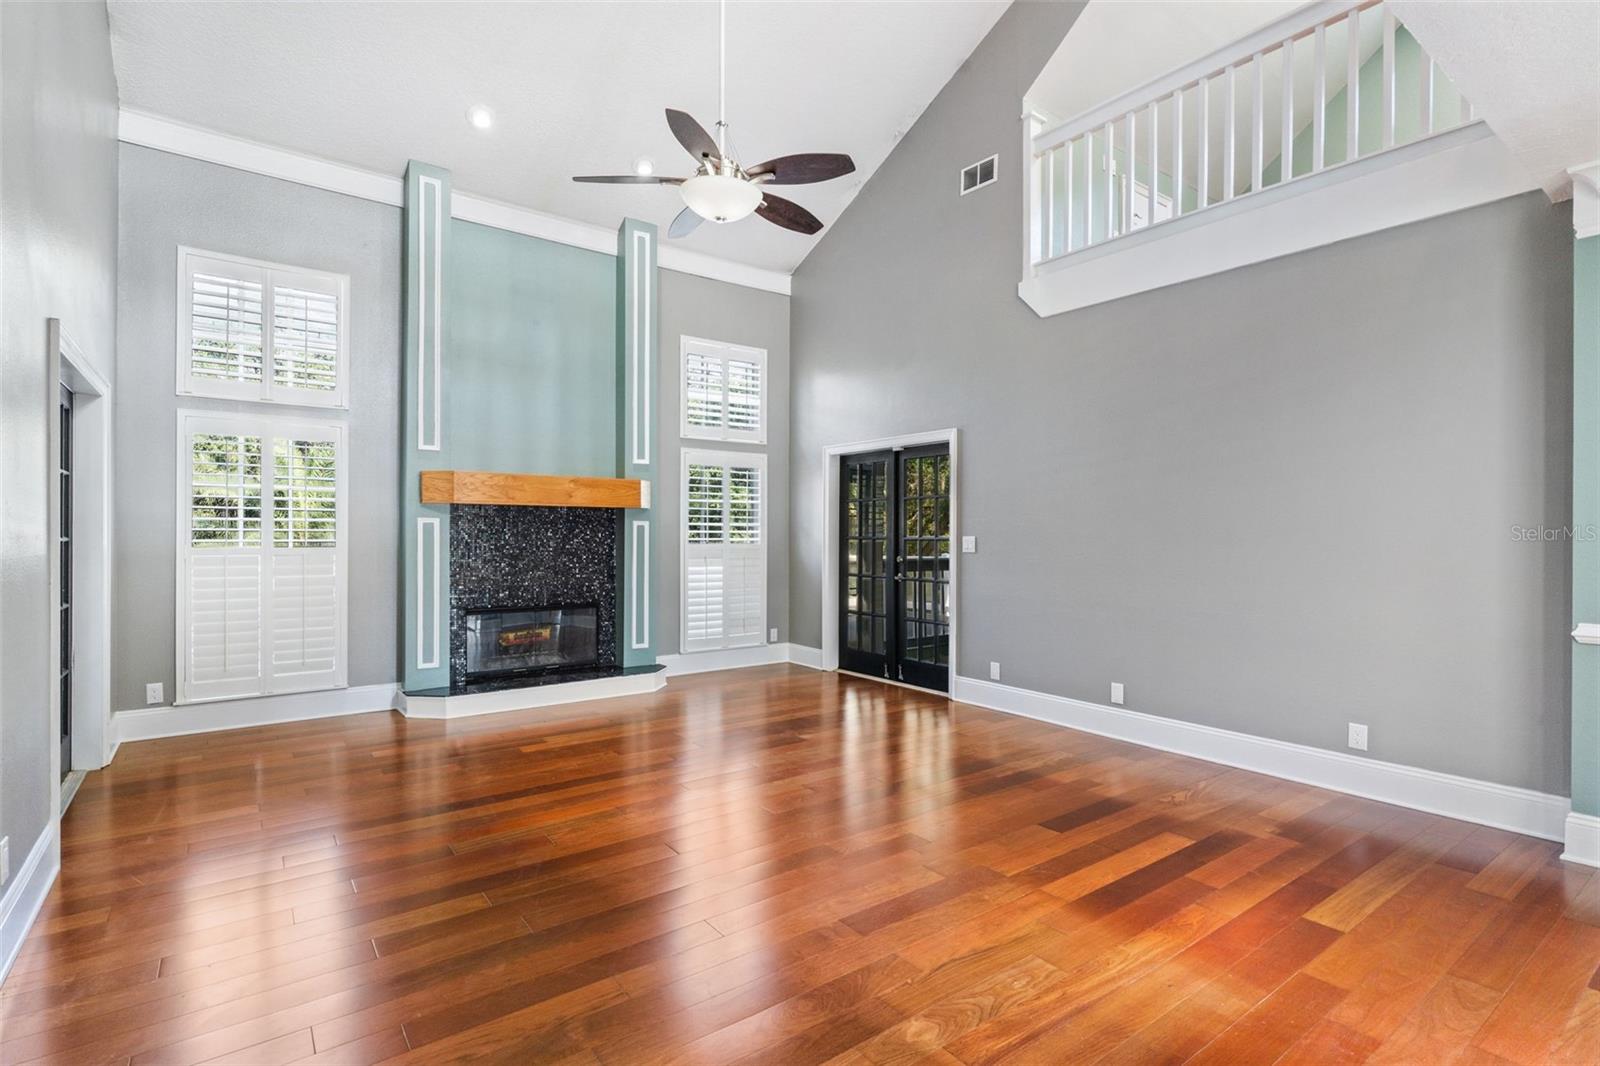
x=576, y=88
x=1531, y=69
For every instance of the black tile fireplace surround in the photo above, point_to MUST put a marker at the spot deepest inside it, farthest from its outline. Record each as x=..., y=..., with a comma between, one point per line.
x=530, y=558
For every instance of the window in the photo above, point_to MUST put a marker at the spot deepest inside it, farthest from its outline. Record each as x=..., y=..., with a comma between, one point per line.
x=724, y=391
x=724, y=554
x=249, y=330
x=261, y=556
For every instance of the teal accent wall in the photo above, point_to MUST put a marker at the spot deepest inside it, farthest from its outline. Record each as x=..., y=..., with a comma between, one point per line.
x=428, y=363
x=636, y=357
x=532, y=343
x=1586, y=517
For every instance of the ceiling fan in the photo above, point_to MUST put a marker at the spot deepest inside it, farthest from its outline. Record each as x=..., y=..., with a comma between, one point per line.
x=720, y=190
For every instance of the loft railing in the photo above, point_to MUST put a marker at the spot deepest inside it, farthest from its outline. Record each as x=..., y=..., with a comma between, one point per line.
x=1174, y=146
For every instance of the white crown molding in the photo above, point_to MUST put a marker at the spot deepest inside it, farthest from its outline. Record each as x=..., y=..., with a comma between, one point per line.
x=25, y=894
x=1520, y=810
x=178, y=138
x=152, y=723
x=1586, y=200
x=1582, y=839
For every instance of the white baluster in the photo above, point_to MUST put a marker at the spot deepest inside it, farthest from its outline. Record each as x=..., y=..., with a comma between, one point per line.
x=1050, y=204
x=1388, y=77
x=1088, y=189
x=1286, y=137
x=1258, y=127
x=1155, y=167
x=1352, y=88
x=1111, y=162
x=1067, y=237
x=1203, y=161
x=1429, y=88
x=1319, y=96
x=1230, y=135
x=1177, y=153
x=1127, y=178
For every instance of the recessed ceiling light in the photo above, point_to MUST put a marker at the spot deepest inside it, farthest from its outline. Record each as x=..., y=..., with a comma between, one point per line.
x=644, y=167
x=480, y=117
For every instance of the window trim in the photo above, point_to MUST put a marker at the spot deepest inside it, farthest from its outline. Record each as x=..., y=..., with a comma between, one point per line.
x=722, y=350
x=723, y=458
x=267, y=391
x=268, y=425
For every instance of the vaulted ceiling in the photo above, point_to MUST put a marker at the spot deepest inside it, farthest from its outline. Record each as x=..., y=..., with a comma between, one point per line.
x=575, y=88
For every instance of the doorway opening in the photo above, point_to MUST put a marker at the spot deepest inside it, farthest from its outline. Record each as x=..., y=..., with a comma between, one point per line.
x=895, y=575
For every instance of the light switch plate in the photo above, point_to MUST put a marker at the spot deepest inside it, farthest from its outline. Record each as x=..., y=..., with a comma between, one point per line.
x=994, y=671
x=969, y=545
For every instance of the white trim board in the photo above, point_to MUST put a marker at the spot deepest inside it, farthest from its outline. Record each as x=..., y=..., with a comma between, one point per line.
x=152, y=723
x=522, y=699
x=26, y=892
x=1583, y=839
x=1519, y=810
x=195, y=142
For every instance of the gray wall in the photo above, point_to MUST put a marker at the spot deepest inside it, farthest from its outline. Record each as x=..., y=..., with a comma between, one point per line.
x=58, y=232
x=715, y=310
x=1274, y=501
x=168, y=201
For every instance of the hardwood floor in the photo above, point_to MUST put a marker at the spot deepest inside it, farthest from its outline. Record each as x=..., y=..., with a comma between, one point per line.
x=776, y=865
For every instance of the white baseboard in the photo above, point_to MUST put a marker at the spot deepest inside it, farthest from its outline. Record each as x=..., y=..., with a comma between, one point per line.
x=1502, y=806
x=152, y=723
x=1583, y=839
x=802, y=655
x=25, y=894
x=701, y=662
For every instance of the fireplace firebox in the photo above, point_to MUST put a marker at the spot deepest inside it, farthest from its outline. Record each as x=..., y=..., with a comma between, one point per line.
x=509, y=642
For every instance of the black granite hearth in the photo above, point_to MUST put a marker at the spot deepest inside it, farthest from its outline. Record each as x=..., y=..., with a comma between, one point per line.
x=502, y=557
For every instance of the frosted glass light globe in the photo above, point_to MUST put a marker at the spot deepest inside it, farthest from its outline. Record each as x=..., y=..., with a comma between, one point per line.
x=720, y=197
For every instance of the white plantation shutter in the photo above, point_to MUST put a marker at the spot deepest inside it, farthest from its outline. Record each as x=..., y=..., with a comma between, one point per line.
x=250, y=330
x=261, y=557
x=724, y=391
x=724, y=550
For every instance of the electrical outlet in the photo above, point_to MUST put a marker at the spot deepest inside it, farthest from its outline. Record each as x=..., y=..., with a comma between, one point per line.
x=994, y=671
x=969, y=545
x=772, y=635
x=1358, y=736
x=1116, y=693
x=5, y=859
x=152, y=694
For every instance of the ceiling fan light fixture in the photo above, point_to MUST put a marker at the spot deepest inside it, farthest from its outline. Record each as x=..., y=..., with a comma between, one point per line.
x=721, y=197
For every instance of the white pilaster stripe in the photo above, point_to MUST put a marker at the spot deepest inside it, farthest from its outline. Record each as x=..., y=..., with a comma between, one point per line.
x=639, y=342
x=427, y=545
x=639, y=583
x=177, y=138
x=429, y=294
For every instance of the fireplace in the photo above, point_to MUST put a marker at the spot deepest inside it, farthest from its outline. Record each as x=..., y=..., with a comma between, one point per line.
x=516, y=641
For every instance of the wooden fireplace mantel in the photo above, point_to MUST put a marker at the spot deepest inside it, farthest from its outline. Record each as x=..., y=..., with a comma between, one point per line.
x=532, y=490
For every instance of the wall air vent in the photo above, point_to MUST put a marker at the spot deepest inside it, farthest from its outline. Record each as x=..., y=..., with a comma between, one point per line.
x=979, y=174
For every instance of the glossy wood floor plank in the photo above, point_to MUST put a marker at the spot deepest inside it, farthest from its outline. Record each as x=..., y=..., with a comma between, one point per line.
x=777, y=865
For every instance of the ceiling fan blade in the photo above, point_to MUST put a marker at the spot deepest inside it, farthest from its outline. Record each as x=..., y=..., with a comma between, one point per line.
x=692, y=135
x=788, y=214
x=629, y=179
x=686, y=223
x=804, y=168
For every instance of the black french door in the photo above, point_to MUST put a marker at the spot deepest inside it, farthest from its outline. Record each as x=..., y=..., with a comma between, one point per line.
x=894, y=595
x=64, y=608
